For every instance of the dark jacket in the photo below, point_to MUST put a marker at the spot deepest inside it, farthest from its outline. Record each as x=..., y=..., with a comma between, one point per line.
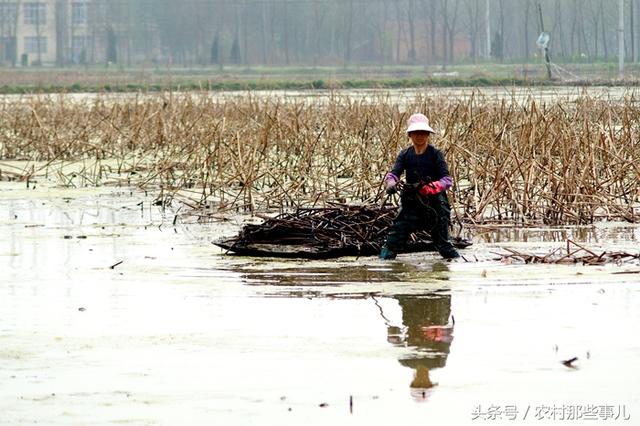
x=427, y=167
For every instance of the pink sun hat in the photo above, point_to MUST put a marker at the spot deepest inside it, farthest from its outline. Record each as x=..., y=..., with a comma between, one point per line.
x=418, y=122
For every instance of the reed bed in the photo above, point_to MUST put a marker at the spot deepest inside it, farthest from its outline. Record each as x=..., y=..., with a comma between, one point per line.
x=513, y=161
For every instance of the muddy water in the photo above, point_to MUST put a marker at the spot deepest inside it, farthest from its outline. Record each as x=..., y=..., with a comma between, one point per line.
x=110, y=313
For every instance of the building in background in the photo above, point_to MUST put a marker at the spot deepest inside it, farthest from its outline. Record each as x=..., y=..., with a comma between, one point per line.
x=51, y=32
x=196, y=33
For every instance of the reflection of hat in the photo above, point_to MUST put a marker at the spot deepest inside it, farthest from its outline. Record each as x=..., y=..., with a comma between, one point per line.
x=421, y=385
x=420, y=395
x=418, y=122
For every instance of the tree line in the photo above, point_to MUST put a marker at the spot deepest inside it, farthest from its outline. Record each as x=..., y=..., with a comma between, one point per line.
x=345, y=32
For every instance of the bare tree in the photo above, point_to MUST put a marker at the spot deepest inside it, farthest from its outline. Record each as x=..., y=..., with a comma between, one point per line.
x=526, y=18
x=452, y=29
x=348, y=33
x=235, y=54
x=449, y=18
x=319, y=15
x=632, y=38
x=577, y=38
x=245, y=32
x=557, y=30
x=263, y=32
x=285, y=17
x=445, y=36
x=497, y=45
x=378, y=24
x=399, y=28
x=637, y=56
x=430, y=10
x=595, y=23
x=487, y=26
x=604, y=32
x=411, y=16
x=473, y=26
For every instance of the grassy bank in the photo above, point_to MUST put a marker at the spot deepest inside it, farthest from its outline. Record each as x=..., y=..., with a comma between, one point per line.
x=230, y=78
x=200, y=85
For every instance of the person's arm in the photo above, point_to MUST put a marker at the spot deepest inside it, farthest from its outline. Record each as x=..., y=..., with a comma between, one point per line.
x=392, y=178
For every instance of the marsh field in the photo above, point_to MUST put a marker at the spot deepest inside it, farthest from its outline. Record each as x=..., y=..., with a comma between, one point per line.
x=116, y=307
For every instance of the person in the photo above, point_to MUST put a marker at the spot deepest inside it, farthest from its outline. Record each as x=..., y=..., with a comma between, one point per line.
x=423, y=202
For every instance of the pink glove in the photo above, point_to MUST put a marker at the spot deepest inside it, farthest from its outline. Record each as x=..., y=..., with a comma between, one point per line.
x=431, y=188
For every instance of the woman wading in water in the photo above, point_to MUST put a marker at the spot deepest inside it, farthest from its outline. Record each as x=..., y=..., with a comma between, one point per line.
x=427, y=206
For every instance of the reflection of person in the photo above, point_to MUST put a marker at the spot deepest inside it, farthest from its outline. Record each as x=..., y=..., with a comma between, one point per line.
x=427, y=207
x=428, y=332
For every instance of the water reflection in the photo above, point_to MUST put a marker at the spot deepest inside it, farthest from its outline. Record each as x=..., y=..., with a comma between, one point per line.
x=429, y=332
x=338, y=273
x=417, y=318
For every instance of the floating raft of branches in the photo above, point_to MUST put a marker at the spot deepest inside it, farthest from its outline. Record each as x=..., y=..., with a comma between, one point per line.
x=574, y=253
x=321, y=233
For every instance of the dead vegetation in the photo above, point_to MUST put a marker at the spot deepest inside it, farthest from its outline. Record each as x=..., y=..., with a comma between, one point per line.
x=513, y=162
x=574, y=253
x=337, y=230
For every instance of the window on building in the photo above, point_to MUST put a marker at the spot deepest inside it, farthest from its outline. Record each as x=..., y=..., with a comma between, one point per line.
x=35, y=45
x=79, y=42
x=35, y=13
x=8, y=48
x=79, y=13
x=79, y=48
x=8, y=13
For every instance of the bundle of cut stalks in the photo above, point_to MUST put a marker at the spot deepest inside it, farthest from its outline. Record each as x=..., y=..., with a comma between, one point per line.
x=337, y=226
x=325, y=232
x=575, y=253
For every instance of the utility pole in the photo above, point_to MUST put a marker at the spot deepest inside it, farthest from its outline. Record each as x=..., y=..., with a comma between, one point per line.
x=487, y=25
x=621, y=37
x=545, y=44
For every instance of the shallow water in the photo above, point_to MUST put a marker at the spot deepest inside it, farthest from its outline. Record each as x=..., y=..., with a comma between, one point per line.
x=111, y=314
x=540, y=94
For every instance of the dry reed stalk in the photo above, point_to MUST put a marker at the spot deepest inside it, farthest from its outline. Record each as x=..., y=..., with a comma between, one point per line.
x=571, y=256
x=513, y=162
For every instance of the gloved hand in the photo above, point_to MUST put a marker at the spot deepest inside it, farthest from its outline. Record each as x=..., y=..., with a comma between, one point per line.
x=391, y=183
x=391, y=188
x=431, y=188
